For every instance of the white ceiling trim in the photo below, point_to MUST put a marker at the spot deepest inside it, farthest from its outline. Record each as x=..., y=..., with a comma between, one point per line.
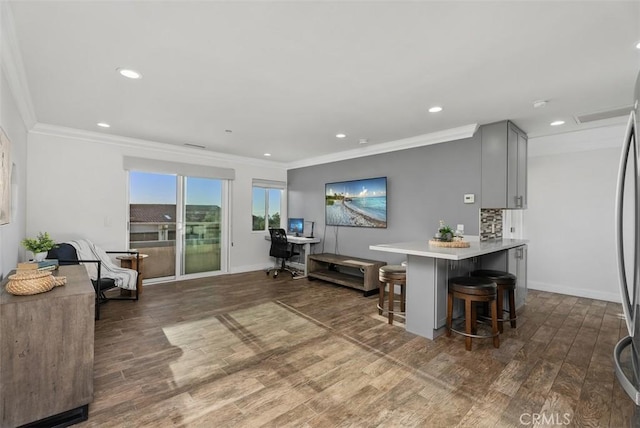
x=116, y=140
x=452, y=134
x=13, y=67
x=608, y=137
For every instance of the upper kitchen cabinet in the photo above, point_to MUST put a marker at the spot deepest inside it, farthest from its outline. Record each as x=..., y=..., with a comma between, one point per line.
x=504, y=166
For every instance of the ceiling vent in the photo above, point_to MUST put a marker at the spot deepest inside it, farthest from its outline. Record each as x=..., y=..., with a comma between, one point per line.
x=608, y=114
x=195, y=145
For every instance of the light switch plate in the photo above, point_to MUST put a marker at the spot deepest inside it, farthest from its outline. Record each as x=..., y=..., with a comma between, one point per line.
x=469, y=198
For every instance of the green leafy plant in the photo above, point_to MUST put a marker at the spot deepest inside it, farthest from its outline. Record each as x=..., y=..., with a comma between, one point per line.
x=445, y=230
x=41, y=243
x=445, y=233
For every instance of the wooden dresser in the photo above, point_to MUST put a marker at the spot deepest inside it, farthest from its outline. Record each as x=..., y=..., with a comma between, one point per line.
x=46, y=352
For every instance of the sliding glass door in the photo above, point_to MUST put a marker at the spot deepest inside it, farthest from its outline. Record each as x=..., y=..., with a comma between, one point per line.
x=153, y=220
x=202, y=237
x=178, y=222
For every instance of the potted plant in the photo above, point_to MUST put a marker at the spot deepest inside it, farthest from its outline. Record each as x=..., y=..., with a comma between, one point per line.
x=39, y=246
x=445, y=233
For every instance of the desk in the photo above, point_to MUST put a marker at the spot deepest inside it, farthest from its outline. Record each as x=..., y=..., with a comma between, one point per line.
x=304, y=242
x=427, y=278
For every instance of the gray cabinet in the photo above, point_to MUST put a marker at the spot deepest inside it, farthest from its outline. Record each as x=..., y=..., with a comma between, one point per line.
x=517, y=265
x=504, y=166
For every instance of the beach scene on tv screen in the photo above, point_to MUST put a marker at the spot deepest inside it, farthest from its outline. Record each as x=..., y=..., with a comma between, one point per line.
x=357, y=203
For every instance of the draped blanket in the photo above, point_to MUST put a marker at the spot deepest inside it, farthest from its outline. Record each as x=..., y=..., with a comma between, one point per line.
x=87, y=250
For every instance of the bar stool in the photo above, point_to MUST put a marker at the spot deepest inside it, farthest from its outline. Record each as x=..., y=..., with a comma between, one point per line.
x=505, y=282
x=472, y=290
x=389, y=276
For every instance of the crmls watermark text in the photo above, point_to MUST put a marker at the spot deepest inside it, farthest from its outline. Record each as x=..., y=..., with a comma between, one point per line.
x=544, y=419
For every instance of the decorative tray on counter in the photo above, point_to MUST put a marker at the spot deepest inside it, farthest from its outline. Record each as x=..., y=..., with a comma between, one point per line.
x=449, y=244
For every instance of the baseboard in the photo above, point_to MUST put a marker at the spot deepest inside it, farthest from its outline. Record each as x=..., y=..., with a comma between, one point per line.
x=250, y=268
x=609, y=296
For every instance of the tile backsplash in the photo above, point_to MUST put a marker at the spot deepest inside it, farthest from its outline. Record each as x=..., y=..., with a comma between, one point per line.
x=490, y=223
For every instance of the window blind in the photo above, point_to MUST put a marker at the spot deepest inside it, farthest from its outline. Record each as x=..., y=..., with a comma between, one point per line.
x=185, y=169
x=269, y=184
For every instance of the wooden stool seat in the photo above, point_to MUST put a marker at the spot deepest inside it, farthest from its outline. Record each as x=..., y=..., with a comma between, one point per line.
x=389, y=276
x=506, y=282
x=472, y=290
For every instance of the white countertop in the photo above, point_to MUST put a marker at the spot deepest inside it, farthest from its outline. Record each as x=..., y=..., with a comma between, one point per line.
x=422, y=248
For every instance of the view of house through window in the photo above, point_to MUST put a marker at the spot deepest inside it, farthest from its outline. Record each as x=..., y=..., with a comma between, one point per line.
x=159, y=205
x=202, y=237
x=266, y=206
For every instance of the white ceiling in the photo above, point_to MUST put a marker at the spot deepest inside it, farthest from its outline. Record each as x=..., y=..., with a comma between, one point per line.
x=285, y=77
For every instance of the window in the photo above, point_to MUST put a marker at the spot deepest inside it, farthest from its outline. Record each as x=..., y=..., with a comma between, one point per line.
x=266, y=204
x=178, y=221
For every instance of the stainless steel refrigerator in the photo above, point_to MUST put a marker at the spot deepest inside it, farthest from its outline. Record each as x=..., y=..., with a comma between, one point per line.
x=627, y=352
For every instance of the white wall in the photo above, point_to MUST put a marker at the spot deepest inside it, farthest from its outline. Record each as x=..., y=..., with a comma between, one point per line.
x=78, y=188
x=570, y=220
x=11, y=234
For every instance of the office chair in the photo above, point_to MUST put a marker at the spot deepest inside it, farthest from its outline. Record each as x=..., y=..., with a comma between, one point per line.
x=281, y=249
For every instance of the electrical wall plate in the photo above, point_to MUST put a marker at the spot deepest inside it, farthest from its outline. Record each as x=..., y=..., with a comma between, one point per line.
x=469, y=198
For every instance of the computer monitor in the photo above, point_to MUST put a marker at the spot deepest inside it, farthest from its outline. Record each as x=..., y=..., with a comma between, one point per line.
x=295, y=226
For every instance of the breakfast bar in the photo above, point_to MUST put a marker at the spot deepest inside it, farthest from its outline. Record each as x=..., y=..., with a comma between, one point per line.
x=427, y=276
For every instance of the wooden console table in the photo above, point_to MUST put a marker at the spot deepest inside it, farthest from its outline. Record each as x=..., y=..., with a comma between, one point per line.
x=361, y=274
x=46, y=352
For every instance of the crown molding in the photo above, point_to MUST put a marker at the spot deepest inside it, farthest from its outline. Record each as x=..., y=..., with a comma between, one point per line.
x=127, y=142
x=452, y=134
x=13, y=66
x=604, y=137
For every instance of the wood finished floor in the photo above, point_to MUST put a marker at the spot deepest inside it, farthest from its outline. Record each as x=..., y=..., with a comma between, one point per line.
x=246, y=350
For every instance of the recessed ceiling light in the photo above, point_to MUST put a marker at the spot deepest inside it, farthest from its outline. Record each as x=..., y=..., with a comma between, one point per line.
x=363, y=141
x=267, y=154
x=131, y=74
x=557, y=123
x=638, y=45
x=103, y=125
x=341, y=135
x=539, y=103
x=435, y=109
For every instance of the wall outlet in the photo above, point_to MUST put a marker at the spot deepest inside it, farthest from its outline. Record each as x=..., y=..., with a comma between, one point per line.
x=469, y=198
x=460, y=228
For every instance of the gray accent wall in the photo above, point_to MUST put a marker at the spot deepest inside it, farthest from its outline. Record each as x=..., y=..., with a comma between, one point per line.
x=424, y=185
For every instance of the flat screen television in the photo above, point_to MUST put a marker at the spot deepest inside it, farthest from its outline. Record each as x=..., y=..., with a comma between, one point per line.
x=295, y=226
x=359, y=203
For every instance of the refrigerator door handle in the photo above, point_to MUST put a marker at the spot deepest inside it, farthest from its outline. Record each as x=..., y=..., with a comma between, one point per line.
x=622, y=274
x=625, y=383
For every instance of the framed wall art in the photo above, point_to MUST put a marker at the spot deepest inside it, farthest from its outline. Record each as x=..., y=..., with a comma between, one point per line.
x=359, y=203
x=5, y=178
